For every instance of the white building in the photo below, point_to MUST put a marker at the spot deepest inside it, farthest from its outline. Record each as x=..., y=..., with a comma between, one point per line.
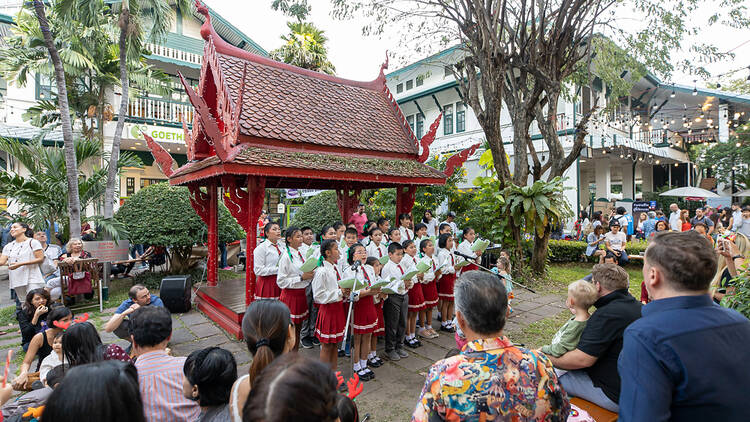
x=161, y=117
x=620, y=162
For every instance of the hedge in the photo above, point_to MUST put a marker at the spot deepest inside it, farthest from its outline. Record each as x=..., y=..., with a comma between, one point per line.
x=318, y=211
x=572, y=251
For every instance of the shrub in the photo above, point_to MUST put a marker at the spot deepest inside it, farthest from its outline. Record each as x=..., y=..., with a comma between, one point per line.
x=161, y=214
x=318, y=211
x=740, y=299
x=572, y=251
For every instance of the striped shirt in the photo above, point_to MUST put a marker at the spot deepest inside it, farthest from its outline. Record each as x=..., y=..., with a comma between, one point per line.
x=160, y=380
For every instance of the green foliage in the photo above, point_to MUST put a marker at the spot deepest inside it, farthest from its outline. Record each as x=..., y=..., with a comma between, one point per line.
x=740, y=300
x=298, y=9
x=539, y=205
x=727, y=160
x=161, y=214
x=44, y=191
x=305, y=47
x=318, y=211
x=572, y=251
x=152, y=280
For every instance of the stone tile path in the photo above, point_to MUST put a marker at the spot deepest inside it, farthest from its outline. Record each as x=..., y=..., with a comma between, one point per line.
x=390, y=397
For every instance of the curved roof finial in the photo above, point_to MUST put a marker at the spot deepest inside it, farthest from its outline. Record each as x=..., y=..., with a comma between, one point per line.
x=206, y=28
x=384, y=66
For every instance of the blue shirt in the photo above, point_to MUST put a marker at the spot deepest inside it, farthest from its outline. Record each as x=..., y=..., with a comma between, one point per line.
x=649, y=226
x=685, y=359
x=128, y=303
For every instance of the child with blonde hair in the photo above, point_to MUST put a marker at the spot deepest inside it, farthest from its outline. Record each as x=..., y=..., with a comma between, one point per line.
x=581, y=296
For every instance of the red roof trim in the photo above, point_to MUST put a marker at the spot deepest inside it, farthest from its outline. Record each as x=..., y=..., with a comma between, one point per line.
x=296, y=173
x=297, y=147
x=208, y=32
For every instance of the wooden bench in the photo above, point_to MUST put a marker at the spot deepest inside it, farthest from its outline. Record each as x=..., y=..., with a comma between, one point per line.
x=635, y=257
x=599, y=414
x=90, y=265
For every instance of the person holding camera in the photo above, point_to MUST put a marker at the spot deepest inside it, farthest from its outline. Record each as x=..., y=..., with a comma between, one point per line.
x=733, y=251
x=596, y=244
x=616, y=241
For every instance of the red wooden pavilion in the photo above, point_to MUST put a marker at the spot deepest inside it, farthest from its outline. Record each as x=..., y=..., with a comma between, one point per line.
x=263, y=124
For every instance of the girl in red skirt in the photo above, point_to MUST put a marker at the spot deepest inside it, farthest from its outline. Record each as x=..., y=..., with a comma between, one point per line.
x=329, y=297
x=293, y=282
x=429, y=287
x=464, y=247
x=266, y=263
x=416, y=298
x=365, y=316
x=372, y=358
x=446, y=282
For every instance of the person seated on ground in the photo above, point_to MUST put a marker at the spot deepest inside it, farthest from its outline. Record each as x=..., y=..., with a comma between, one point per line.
x=268, y=332
x=138, y=296
x=208, y=377
x=34, y=398
x=702, y=229
x=100, y=391
x=41, y=346
x=159, y=375
x=293, y=388
x=33, y=311
x=661, y=226
x=54, y=359
x=596, y=244
x=581, y=296
x=592, y=366
x=616, y=242
x=733, y=253
x=51, y=254
x=81, y=345
x=346, y=409
x=489, y=366
x=80, y=281
x=682, y=360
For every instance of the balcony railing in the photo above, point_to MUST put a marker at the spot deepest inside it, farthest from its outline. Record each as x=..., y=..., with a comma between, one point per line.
x=153, y=110
x=171, y=53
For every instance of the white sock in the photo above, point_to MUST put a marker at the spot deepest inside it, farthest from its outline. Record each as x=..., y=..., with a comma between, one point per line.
x=363, y=364
x=371, y=355
x=357, y=366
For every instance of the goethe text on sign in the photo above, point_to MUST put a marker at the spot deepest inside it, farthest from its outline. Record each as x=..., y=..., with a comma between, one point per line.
x=158, y=133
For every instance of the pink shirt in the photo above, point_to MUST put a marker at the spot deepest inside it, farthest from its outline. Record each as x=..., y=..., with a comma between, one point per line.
x=359, y=220
x=160, y=380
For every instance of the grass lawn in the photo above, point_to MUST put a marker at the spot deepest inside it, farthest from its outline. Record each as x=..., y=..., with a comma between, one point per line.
x=541, y=332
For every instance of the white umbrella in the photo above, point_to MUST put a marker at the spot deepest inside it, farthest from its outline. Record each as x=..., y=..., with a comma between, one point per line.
x=690, y=191
x=745, y=192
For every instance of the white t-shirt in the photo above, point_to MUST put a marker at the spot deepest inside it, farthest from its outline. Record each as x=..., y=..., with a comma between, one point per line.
x=23, y=252
x=432, y=227
x=616, y=241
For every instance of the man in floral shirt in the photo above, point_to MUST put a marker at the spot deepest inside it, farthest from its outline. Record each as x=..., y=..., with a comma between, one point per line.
x=490, y=379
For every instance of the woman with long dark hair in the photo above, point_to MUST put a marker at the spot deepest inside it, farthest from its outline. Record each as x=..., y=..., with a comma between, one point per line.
x=268, y=332
x=266, y=263
x=23, y=256
x=82, y=344
x=208, y=377
x=293, y=282
x=41, y=345
x=101, y=391
x=33, y=311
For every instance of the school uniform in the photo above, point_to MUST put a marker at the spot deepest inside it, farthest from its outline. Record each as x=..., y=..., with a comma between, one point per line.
x=378, y=251
x=365, y=316
x=448, y=279
x=380, y=326
x=329, y=298
x=465, y=248
x=406, y=234
x=289, y=280
x=429, y=282
x=343, y=261
x=416, y=295
x=308, y=325
x=395, y=308
x=266, y=267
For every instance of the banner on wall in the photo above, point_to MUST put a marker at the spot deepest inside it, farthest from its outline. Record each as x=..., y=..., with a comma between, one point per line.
x=158, y=133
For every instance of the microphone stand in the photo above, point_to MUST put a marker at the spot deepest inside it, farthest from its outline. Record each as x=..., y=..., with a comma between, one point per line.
x=474, y=260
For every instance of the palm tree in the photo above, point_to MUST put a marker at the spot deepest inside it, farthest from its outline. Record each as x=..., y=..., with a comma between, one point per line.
x=305, y=47
x=74, y=205
x=138, y=21
x=43, y=191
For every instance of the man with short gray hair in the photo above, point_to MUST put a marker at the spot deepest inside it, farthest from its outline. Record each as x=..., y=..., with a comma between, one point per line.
x=675, y=224
x=494, y=373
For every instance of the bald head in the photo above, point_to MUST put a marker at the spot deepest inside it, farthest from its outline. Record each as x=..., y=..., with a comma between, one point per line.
x=673, y=207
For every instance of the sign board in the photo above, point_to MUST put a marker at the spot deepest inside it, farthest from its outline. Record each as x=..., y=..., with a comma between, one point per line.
x=159, y=133
x=302, y=193
x=108, y=250
x=280, y=208
x=641, y=206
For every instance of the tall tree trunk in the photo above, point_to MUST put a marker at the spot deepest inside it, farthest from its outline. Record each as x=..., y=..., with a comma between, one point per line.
x=539, y=255
x=74, y=206
x=109, y=194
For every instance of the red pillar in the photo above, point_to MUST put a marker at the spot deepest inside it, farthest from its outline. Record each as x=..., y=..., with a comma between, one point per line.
x=256, y=188
x=347, y=202
x=404, y=199
x=213, y=234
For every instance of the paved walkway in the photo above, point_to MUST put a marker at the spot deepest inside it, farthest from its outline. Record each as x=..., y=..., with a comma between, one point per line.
x=390, y=397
